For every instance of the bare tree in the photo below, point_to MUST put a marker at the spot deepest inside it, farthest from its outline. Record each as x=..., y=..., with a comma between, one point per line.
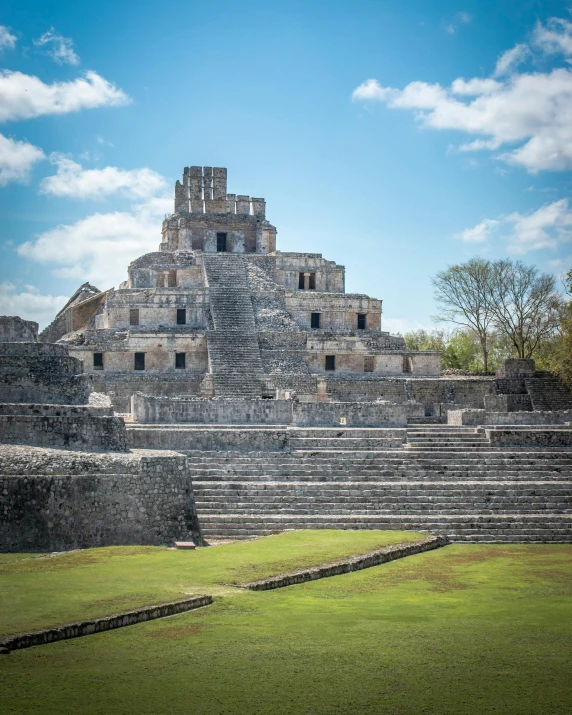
x=524, y=304
x=463, y=293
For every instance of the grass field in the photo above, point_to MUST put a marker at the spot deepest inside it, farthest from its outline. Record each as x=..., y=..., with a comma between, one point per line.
x=463, y=630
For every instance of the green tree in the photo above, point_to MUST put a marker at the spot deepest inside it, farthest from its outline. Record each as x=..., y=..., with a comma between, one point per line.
x=525, y=305
x=463, y=293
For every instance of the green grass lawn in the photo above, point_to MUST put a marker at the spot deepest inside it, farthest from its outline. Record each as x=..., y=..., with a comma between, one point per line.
x=37, y=593
x=463, y=630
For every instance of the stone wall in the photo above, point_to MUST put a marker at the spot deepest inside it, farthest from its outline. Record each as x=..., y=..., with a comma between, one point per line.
x=533, y=438
x=148, y=409
x=486, y=417
x=433, y=392
x=52, y=500
x=14, y=329
x=352, y=414
x=65, y=426
x=38, y=372
x=120, y=387
x=508, y=403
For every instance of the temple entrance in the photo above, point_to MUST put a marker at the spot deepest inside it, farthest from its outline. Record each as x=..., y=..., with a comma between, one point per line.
x=221, y=242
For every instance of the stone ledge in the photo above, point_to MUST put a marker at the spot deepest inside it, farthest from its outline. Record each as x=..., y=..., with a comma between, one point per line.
x=99, y=625
x=355, y=563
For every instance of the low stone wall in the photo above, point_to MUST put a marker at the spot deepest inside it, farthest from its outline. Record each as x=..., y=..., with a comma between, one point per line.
x=484, y=417
x=530, y=439
x=355, y=563
x=121, y=386
x=53, y=500
x=508, y=403
x=15, y=329
x=100, y=625
x=66, y=426
x=180, y=410
x=37, y=372
x=209, y=440
x=350, y=414
x=148, y=410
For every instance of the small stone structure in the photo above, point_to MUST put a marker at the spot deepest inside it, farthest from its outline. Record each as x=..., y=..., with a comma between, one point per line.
x=14, y=329
x=99, y=495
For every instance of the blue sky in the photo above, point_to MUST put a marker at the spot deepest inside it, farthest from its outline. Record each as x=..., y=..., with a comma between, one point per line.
x=395, y=138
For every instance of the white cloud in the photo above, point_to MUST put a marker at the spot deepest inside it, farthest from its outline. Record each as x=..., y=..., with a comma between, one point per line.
x=72, y=180
x=370, y=89
x=555, y=37
x=532, y=110
x=59, y=48
x=24, y=96
x=480, y=232
x=17, y=159
x=99, y=247
x=7, y=39
x=547, y=227
x=460, y=18
x=29, y=303
x=528, y=115
x=511, y=59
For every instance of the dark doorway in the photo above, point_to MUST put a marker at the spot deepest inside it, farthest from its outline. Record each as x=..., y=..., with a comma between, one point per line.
x=315, y=320
x=98, y=361
x=139, y=363
x=181, y=316
x=361, y=318
x=134, y=316
x=221, y=242
x=312, y=281
x=368, y=363
x=330, y=362
x=301, y=281
x=180, y=361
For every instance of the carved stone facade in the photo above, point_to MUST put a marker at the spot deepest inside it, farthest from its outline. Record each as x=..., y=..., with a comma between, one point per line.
x=219, y=308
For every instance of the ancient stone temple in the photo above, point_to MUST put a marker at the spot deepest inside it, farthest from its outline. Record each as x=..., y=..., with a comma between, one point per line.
x=255, y=395
x=218, y=311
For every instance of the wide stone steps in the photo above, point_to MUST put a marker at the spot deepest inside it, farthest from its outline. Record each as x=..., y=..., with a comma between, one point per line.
x=388, y=475
x=548, y=393
x=508, y=527
x=344, y=443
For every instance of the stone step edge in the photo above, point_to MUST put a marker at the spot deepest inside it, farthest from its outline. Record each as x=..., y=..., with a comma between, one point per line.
x=354, y=563
x=100, y=625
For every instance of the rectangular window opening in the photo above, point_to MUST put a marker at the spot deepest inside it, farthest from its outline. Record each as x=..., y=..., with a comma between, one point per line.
x=139, y=362
x=368, y=363
x=134, y=316
x=98, y=361
x=315, y=320
x=181, y=316
x=172, y=279
x=180, y=361
x=330, y=362
x=361, y=321
x=407, y=364
x=221, y=242
x=312, y=282
x=301, y=281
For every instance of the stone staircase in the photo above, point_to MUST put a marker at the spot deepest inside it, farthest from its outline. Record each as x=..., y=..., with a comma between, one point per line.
x=234, y=355
x=431, y=438
x=548, y=393
x=439, y=482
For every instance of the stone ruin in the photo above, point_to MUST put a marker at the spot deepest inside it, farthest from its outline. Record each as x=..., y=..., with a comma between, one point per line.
x=232, y=383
